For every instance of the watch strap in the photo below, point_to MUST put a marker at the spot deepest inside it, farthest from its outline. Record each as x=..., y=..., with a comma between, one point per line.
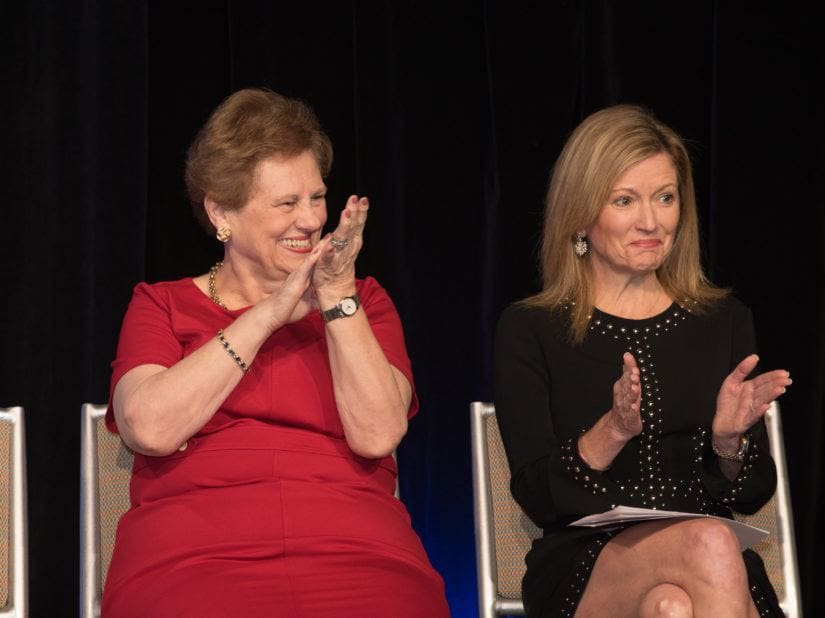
x=336, y=312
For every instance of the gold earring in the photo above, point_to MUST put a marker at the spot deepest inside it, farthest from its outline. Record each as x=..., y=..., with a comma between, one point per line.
x=223, y=234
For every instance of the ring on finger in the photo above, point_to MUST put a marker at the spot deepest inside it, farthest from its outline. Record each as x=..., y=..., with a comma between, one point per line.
x=338, y=245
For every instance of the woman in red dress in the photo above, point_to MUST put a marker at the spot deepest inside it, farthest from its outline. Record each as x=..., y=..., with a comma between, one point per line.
x=264, y=400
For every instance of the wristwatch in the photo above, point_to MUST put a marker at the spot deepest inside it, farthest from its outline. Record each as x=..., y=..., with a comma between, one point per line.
x=346, y=307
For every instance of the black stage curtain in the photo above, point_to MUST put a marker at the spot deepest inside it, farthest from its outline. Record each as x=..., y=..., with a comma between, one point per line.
x=449, y=116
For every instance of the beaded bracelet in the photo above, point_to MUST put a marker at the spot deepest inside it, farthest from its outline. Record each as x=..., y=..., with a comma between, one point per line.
x=238, y=360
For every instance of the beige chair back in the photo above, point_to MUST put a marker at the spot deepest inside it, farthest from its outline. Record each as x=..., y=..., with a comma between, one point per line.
x=13, y=532
x=105, y=473
x=504, y=533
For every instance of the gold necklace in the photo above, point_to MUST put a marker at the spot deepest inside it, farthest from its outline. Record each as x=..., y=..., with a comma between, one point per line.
x=213, y=294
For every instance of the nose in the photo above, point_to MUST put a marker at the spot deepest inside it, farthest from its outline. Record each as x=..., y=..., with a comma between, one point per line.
x=311, y=217
x=646, y=220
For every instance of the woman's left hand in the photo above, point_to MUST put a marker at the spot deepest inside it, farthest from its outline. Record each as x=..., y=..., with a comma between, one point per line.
x=335, y=269
x=742, y=402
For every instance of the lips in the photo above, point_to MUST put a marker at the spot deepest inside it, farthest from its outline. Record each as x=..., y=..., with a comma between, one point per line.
x=647, y=244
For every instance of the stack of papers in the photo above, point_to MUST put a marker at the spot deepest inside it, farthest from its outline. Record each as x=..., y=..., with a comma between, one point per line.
x=747, y=535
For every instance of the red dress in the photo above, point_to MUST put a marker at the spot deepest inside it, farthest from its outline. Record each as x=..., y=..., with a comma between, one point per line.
x=266, y=512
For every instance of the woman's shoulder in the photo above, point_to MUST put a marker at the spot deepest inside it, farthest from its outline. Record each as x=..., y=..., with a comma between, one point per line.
x=524, y=316
x=166, y=293
x=724, y=309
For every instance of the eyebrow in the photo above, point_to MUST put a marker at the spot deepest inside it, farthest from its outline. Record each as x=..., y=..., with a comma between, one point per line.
x=631, y=190
x=294, y=197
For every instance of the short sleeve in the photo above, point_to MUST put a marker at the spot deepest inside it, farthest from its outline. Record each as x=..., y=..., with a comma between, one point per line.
x=146, y=337
x=386, y=326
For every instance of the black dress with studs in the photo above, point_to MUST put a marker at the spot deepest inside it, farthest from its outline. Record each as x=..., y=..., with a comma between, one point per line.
x=548, y=391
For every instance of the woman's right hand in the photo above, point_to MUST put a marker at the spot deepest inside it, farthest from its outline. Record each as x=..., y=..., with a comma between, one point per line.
x=295, y=299
x=600, y=445
x=625, y=418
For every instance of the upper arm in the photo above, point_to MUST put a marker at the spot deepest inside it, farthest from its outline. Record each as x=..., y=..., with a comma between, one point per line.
x=147, y=338
x=126, y=387
x=386, y=327
x=404, y=388
x=522, y=387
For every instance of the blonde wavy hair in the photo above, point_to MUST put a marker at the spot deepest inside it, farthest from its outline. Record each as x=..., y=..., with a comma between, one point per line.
x=602, y=148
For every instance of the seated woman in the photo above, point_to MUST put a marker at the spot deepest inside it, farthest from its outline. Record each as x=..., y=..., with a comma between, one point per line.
x=681, y=428
x=264, y=401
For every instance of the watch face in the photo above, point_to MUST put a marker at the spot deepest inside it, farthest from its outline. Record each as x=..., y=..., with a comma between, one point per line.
x=348, y=306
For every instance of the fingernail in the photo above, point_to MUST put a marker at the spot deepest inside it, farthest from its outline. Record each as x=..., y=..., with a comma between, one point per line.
x=365, y=201
x=353, y=199
x=347, y=214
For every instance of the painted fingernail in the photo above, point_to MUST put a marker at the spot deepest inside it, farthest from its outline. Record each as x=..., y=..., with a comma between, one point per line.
x=347, y=214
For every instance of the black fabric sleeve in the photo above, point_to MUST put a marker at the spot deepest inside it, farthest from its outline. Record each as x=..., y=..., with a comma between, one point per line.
x=548, y=478
x=756, y=481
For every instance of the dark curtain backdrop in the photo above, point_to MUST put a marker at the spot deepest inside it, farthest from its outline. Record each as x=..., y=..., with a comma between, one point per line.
x=449, y=116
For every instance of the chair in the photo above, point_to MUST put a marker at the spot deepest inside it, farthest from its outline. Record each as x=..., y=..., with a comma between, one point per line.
x=778, y=550
x=504, y=533
x=13, y=538
x=105, y=471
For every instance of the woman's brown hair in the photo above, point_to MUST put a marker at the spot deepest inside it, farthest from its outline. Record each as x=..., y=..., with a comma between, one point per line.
x=247, y=127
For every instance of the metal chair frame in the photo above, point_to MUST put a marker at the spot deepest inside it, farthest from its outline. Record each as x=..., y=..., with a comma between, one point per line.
x=92, y=575
x=490, y=602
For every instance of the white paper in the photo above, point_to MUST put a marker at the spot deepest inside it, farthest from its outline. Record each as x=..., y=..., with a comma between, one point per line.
x=747, y=535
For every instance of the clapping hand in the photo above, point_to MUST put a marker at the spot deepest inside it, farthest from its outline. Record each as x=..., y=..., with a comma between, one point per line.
x=624, y=418
x=295, y=298
x=336, y=267
x=742, y=402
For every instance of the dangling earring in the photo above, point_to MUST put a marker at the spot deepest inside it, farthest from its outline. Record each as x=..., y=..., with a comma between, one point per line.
x=580, y=246
x=223, y=234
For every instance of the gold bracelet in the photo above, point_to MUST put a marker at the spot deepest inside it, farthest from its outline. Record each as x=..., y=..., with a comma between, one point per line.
x=238, y=360
x=739, y=456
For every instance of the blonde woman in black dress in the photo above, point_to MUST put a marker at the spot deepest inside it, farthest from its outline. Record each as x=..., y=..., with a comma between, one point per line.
x=630, y=380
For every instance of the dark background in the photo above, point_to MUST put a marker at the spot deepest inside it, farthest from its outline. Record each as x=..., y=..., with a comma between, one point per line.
x=449, y=117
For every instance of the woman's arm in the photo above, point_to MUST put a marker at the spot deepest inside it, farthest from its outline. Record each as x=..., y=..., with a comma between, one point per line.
x=157, y=409
x=550, y=480
x=372, y=396
x=740, y=405
x=600, y=444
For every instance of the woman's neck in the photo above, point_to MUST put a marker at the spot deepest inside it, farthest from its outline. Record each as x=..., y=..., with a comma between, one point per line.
x=240, y=287
x=634, y=298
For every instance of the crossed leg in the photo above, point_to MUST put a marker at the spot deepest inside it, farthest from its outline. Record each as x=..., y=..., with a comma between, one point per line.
x=684, y=569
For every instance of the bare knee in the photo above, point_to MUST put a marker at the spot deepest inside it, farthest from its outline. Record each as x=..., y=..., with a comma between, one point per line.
x=666, y=601
x=713, y=551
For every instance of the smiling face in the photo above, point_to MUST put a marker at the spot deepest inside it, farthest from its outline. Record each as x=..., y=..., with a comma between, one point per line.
x=282, y=220
x=636, y=227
